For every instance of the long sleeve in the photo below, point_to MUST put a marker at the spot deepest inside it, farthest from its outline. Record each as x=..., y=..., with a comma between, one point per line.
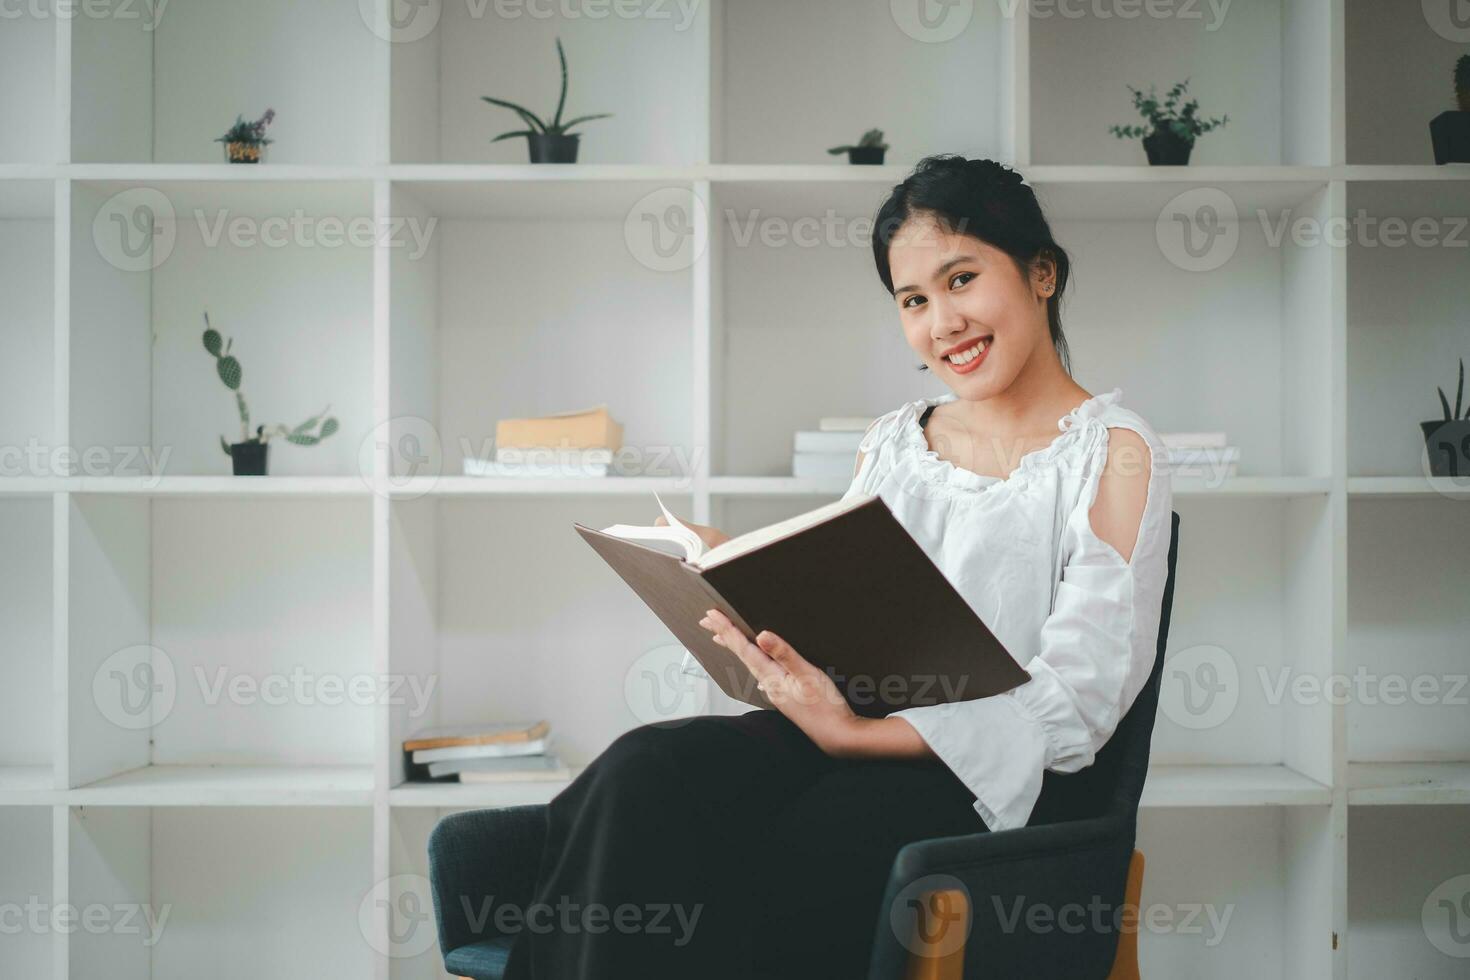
x=1095, y=653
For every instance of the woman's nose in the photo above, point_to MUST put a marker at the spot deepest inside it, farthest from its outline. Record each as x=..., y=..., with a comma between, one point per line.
x=948, y=320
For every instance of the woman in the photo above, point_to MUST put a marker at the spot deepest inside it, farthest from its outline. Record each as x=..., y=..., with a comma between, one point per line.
x=767, y=837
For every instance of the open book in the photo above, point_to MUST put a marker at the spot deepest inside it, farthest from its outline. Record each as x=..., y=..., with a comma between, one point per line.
x=844, y=584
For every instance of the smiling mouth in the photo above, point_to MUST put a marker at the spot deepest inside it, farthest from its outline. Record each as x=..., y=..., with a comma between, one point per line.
x=969, y=358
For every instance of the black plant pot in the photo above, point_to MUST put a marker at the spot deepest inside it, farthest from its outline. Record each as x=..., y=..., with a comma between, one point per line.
x=1164, y=149
x=867, y=155
x=249, y=457
x=553, y=147
x=1448, y=446
x=1450, y=132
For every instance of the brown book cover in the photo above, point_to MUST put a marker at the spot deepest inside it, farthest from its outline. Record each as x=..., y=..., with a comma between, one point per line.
x=848, y=588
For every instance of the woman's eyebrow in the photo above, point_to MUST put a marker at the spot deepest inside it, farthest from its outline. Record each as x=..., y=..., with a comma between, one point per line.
x=938, y=272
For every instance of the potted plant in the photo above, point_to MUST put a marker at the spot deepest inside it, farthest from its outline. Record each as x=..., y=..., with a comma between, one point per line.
x=1447, y=440
x=249, y=454
x=1172, y=129
x=1450, y=130
x=548, y=142
x=245, y=142
x=869, y=149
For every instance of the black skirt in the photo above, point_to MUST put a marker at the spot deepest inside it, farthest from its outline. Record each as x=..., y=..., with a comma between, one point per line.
x=726, y=846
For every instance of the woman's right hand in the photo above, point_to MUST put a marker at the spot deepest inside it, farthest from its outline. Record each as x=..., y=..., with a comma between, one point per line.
x=711, y=536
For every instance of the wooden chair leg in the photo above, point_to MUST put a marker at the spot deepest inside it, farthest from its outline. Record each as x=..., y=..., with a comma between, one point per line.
x=934, y=958
x=1125, y=961
x=934, y=953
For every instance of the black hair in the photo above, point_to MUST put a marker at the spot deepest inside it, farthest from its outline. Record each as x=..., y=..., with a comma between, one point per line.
x=984, y=199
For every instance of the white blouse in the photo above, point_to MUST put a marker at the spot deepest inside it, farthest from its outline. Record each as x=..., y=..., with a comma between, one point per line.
x=1021, y=551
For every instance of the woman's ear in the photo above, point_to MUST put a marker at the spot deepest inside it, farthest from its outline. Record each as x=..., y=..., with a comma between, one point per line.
x=1044, y=274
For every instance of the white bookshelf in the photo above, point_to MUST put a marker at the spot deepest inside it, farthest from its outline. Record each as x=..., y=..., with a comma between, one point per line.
x=283, y=835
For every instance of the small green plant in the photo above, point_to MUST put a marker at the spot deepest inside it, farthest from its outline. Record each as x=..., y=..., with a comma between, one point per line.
x=228, y=369
x=872, y=139
x=1462, y=82
x=250, y=133
x=1450, y=416
x=1168, y=116
x=555, y=126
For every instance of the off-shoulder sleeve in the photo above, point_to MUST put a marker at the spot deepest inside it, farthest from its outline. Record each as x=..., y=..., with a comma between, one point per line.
x=1096, y=651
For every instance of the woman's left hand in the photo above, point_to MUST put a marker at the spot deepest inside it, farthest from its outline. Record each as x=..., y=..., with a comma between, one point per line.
x=791, y=683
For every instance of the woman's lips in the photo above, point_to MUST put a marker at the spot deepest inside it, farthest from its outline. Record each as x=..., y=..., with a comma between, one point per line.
x=973, y=365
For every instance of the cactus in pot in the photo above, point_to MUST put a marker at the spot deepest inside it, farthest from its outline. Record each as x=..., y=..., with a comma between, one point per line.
x=249, y=454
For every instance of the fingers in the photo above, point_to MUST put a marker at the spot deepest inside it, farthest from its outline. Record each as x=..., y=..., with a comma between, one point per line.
x=766, y=671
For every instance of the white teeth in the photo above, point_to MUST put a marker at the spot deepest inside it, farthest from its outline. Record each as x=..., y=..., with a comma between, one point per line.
x=966, y=356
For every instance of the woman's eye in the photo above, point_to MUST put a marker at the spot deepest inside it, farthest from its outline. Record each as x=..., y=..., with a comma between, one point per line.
x=913, y=297
x=966, y=275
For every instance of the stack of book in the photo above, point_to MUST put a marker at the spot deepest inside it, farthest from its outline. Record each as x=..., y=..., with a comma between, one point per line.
x=494, y=752
x=830, y=450
x=1203, y=454
x=579, y=443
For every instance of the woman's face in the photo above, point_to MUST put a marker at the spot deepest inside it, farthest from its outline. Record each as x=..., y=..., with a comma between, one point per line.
x=957, y=294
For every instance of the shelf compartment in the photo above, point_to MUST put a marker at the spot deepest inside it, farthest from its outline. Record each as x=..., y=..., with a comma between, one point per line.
x=815, y=60
x=1252, y=614
x=1405, y=666
x=288, y=881
x=478, y=600
x=1269, y=869
x=1406, y=299
x=27, y=327
x=644, y=68
x=1398, y=75
x=208, y=632
x=26, y=879
x=26, y=656
x=150, y=259
x=1280, y=110
x=1407, y=869
x=587, y=315
x=28, y=85
x=162, y=87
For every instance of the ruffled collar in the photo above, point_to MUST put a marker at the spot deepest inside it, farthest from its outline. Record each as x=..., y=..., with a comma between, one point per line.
x=941, y=472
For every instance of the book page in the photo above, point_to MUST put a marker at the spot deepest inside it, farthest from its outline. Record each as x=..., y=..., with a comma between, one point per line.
x=681, y=535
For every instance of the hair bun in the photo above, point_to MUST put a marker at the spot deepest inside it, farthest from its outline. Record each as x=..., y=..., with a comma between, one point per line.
x=994, y=172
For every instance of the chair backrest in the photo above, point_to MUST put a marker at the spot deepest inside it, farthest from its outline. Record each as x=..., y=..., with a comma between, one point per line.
x=1114, y=781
